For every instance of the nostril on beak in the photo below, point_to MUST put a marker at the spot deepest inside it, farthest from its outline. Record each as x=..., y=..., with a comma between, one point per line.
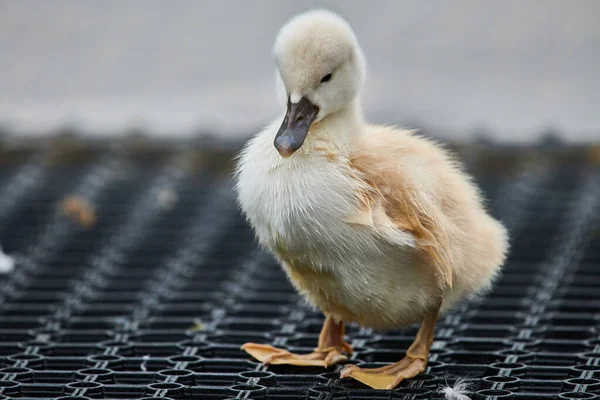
x=300, y=118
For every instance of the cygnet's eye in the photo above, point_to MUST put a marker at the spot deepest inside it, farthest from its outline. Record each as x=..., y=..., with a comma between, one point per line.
x=326, y=78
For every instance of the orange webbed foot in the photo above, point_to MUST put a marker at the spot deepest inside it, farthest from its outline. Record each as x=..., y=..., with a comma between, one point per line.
x=387, y=377
x=390, y=376
x=270, y=355
x=331, y=349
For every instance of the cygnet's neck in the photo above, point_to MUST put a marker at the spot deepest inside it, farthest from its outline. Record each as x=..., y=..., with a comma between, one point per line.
x=339, y=129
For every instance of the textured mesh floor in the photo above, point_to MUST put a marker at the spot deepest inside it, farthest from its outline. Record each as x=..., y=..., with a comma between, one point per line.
x=156, y=299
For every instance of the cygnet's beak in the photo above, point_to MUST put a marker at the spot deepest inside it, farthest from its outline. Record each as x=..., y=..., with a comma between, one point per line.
x=295, y=126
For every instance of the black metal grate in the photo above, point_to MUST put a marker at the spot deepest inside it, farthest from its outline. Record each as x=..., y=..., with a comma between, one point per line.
x=156, y=300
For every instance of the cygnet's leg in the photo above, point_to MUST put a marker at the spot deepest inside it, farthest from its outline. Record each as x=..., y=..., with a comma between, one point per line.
x=390, y=376
x=330, y=350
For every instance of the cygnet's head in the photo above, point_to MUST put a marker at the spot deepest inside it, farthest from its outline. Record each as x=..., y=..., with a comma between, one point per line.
x=322, y=68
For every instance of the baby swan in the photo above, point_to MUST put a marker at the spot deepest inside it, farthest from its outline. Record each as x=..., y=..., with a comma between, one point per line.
x=373, y=225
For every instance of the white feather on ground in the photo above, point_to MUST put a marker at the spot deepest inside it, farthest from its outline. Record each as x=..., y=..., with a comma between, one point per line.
x=7, y=263
x=459, y=391
x=145, y=362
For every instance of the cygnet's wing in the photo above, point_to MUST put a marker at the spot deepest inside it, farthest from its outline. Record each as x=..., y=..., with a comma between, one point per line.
x=403, y=174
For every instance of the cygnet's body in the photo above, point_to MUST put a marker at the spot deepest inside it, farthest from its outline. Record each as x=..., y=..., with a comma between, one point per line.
x=372, y=224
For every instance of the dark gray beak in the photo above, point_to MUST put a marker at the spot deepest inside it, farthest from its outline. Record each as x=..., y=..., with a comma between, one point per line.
x=295, y=126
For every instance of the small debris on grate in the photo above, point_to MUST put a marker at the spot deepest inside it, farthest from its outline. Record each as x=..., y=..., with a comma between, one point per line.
x=144, y=362
x=198, y=326
x=594, y=153
x=80, y=210
x=166, y=198
x=121, y=323
x=7, y=263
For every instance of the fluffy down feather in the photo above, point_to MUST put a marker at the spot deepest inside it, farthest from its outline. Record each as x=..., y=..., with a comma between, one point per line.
x=372, y=224
x=459, y=391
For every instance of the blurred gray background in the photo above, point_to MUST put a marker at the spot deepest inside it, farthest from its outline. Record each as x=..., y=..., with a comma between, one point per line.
x=510, y=68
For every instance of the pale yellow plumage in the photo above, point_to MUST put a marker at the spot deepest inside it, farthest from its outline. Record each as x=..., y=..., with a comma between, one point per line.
x=372, y=224
x=423, y=190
